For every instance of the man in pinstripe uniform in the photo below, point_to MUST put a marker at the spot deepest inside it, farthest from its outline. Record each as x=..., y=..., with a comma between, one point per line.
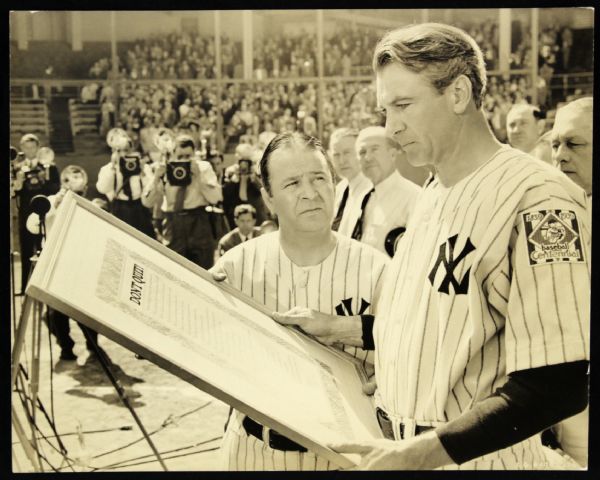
x=304, y=265
x=482, y=332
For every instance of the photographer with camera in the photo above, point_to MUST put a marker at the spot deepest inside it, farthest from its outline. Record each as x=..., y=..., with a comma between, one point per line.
x=186, y=186
x=34, y=174
x=241, y=185
x=123, y=179
x=74, y=178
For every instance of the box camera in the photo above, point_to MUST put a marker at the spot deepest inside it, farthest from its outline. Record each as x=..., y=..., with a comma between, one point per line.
x=179, y=173
x=245, y=165
x=130, y=165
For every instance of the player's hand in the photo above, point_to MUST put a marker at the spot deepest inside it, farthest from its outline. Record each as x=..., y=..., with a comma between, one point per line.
x=424, y=452
x=160, y=171
x=219, y=275
x=370, y=387
x=327, y=329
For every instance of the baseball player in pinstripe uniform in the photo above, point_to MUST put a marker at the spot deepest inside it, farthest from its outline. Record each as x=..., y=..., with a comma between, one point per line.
x=303, y=267
x=482, y=332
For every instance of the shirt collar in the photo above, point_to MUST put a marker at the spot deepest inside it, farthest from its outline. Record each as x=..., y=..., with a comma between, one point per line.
x=388, y=184
x=357, y=180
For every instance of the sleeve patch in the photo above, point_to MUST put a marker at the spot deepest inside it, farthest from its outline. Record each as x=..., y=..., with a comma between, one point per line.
x=552, y=236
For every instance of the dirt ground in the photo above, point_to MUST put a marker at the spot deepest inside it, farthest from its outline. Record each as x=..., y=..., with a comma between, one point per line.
x=184, y=423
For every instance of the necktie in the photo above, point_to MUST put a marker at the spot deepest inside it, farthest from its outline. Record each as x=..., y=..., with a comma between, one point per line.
x=127, y=187
x=358, y=228
x=243, y=188
x=179, y=198
x=335, y=226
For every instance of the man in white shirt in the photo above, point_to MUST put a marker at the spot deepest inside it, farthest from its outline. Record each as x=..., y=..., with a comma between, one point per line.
x=524, y=126
x=386, y=208
x=353, y=186
x=185, y=186
x=122, y=180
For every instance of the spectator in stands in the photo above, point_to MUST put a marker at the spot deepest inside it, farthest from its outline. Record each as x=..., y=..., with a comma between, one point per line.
x=107, y=116
x=186, y=189
x=89, y=93
x=524, y=125
x=31, y=178
x=245, y=220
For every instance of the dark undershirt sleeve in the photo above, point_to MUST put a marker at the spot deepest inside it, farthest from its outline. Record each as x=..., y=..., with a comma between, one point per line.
x=529, y=402
x=367, y=332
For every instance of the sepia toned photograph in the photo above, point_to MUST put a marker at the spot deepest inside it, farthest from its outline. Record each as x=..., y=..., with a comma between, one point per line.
x=300, y=239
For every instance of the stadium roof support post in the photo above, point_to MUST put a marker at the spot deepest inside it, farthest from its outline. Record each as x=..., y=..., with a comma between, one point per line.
x=535, y=29
x=219, y=76
x=505, y=35
x=320, y=73
x=115, y=61
x=247, y=43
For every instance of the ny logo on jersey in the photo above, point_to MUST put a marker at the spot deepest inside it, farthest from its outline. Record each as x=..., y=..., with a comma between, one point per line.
x=345, y=307
x=450, y=263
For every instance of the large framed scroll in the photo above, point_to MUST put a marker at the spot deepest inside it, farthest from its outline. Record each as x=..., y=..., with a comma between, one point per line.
x=130, y=288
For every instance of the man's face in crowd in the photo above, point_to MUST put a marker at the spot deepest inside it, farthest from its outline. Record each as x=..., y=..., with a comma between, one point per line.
x=419, y=118
x=245, y=222
x=30, y=149
x=75, y=181
x=184, y=153
x=217, y=164
x=522, y=128
x=377, y=157
x=301, y=190
x=343, y=155
x=572, y=146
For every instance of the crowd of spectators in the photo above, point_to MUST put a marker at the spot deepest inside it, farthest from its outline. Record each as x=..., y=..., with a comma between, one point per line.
x=347, y=50
x=248, y=109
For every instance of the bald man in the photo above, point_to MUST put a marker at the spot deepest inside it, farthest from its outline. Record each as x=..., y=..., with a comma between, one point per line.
x=572, y=141
x=524, y=126
x=384, y=211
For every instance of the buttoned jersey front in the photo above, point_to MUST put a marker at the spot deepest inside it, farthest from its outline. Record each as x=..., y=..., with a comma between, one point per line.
x=491, y=277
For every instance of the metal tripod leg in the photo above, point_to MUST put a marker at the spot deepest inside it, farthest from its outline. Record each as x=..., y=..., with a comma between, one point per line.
x=20, y=339
x=105, y=362
x=25, y=443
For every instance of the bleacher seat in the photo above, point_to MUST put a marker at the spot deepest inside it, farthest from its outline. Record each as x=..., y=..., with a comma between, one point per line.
x=29, y=115
x=84, y=116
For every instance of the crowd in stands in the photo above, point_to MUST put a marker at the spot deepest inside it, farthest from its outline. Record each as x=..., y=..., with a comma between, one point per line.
x=248, y=109
x=274, y=107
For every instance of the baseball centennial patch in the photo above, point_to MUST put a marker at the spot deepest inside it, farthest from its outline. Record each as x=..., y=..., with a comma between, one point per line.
x=552, y=236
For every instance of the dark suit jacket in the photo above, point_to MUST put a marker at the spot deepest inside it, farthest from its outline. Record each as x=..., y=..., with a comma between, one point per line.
x=233, y=238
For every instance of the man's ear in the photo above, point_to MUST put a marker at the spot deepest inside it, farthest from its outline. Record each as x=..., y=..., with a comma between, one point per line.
x=461, y=94
x=267, y=199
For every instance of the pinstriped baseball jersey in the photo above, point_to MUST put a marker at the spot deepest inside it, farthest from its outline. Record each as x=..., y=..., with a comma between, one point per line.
x=345, y=283
x=492, y=276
